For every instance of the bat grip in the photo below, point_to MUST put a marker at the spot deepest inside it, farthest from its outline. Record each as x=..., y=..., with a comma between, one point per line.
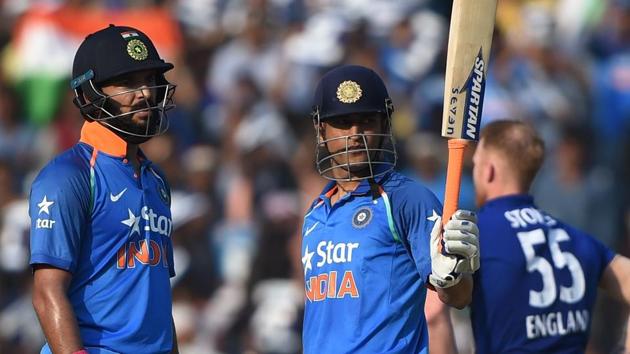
x=456, y=150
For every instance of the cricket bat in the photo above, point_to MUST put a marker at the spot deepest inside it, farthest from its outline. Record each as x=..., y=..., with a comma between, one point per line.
x=469, y=42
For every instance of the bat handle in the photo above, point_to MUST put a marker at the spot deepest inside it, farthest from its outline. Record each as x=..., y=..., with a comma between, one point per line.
x=456, y=150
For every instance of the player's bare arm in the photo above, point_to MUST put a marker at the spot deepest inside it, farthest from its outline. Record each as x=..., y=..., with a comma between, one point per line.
x=54, y=310
x=441, y=336
x=616, y=282
x=458, y=296
x=616, y=279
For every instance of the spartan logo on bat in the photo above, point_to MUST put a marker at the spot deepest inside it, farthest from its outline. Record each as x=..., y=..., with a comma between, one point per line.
x=452, y=111
x=474, y=87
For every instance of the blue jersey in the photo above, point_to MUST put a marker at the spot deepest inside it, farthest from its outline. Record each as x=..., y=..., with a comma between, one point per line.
x=537, y=283
x=366, y=260
x=92, y=216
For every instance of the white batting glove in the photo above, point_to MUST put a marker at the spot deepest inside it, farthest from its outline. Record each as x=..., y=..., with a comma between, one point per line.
x=454, y=251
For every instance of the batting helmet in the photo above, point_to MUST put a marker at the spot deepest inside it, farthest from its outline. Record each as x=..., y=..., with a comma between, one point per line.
x=353, y=90
x=111, y=53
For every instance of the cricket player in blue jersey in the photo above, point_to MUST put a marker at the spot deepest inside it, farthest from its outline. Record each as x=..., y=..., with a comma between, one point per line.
x=536, y=287
x=371, y=241
x=101, y=248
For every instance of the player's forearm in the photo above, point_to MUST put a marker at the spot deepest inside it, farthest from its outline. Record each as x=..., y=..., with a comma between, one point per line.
x=458, y=296
x=624, y=282
x=441, y=337
x=57, y=320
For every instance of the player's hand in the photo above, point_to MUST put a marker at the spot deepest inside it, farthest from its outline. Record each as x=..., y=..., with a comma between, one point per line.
x=454, y=251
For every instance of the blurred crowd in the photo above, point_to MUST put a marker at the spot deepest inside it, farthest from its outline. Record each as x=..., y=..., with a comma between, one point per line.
x=239, y=152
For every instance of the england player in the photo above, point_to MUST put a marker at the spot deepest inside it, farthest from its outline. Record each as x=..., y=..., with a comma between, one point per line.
x=100, y=212
x=370, y=241
x=539, y=276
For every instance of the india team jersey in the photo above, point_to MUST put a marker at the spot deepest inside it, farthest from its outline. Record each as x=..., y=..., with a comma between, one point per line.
x=92, y=216
x=366, y=260
x=537, y=283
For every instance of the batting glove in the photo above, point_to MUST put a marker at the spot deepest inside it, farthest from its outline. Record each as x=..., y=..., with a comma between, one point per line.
x=456, y=250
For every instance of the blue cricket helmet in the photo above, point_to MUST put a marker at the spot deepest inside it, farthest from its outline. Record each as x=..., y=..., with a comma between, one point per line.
x=350, y=89
x=110, y=53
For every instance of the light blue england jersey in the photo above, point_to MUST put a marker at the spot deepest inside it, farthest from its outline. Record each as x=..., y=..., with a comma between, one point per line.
x=537, y=283
x=366, y=260
x=92, y=216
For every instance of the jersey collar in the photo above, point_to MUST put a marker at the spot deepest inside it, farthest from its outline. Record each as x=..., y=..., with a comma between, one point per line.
x=362, y=189
x=508, y=201
x=328, y=190
x=103, y=139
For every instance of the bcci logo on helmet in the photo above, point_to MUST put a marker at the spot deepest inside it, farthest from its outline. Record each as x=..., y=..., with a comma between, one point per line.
x=349, y=91
x=137, y=50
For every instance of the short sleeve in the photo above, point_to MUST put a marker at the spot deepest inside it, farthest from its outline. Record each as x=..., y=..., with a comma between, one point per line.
x=414, y=210
x=605, y=254
x=170, y=258
x=59, y=209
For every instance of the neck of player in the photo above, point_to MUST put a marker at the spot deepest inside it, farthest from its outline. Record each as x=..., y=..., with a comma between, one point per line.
x=343, y=188
x=505, y=190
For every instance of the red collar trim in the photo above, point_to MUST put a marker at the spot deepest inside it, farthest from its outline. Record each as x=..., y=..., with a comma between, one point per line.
x=332, y=191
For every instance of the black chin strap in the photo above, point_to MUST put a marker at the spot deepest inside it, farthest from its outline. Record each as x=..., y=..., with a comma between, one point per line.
x=374, y=188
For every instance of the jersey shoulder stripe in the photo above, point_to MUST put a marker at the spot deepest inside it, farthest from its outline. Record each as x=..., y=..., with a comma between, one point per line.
x=410, y=202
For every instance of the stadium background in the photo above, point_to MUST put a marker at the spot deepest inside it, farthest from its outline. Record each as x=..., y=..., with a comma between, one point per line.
x=240, y=149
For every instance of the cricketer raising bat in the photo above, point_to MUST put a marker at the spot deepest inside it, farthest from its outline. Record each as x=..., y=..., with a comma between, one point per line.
x=469, y=42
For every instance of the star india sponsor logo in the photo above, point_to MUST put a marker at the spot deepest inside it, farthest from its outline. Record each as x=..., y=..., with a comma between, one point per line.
x=332, y=284
x=159, y=224
x=145, y=251
x=44, y=207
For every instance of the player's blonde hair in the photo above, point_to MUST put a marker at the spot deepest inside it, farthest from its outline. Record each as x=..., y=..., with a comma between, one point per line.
x=520, y=144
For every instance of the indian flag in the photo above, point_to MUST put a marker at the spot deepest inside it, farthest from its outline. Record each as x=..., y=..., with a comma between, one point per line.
x=129, y=34
x=43, y=54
